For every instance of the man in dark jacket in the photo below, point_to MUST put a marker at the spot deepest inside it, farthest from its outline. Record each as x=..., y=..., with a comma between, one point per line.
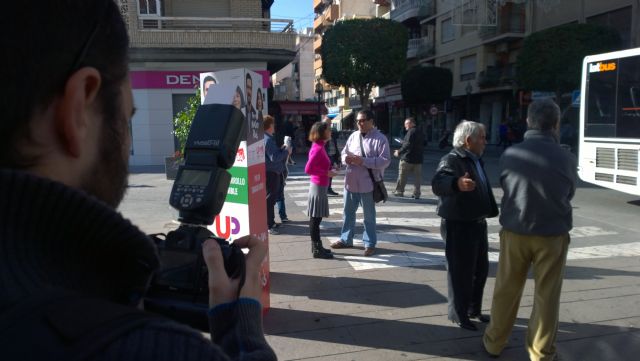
x=73, y=269
x=466, y=200
x=275, y=158
x=331, y=147
x=410, y=154
x=538, y=178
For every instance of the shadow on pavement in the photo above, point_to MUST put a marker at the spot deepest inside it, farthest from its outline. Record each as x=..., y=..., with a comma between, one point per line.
x=355, y=290
x=576, y=341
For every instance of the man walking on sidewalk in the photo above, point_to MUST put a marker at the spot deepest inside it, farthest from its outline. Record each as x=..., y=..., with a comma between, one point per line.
x=538, y=179
x=366, y=149
x=410, y=154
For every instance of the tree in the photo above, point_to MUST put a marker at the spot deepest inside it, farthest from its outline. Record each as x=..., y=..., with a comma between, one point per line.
x=182, y=121
x=429, y=84
x=551, y=60
x=363, y=53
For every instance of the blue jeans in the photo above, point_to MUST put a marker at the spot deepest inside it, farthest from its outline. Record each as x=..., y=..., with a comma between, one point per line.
x=351, y=203
x=282, y=209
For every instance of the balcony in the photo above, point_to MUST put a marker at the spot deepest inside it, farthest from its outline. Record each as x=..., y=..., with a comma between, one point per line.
x=320, y=23
x=332, y=13
x=496, y=76
x=420, y=48
x=510, y=25
x=317, y=64
x=407, y=9
x=317, y=43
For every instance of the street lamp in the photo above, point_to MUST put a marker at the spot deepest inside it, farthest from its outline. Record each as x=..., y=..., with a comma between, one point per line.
x=468, y=89
x=319, y=91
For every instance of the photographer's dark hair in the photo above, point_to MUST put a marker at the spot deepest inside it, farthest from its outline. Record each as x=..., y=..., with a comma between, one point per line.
x=543, y=115
x=318, y=130
x=44, y=43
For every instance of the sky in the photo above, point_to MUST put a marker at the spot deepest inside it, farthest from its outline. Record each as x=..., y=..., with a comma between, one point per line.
x=300, y=11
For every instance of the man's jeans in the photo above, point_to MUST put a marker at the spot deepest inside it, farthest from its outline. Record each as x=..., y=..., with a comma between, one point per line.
x=282, y=208
x=351, y=203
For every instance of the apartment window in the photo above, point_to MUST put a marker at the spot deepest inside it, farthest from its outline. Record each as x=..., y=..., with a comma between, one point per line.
x=448, y=31
x=468, y=67
x=148, y=7
x=469, y=19
x=618, y=19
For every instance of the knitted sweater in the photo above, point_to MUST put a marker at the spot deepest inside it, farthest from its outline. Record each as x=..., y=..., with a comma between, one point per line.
x=56, y=237
x=318, y=164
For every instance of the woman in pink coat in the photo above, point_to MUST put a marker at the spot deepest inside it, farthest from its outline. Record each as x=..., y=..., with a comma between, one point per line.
x=319, y=168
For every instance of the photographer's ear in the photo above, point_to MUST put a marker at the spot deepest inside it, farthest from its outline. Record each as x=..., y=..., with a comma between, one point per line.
x=76, y=109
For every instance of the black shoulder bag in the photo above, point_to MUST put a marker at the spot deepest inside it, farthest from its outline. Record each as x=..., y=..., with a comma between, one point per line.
x=379, y=190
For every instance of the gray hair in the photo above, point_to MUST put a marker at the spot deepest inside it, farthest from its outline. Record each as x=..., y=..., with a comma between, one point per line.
x=543, y=115
x=466, y=128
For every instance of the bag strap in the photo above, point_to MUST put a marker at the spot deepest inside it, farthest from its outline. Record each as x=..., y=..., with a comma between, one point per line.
x=365, y=154
x=65, y=325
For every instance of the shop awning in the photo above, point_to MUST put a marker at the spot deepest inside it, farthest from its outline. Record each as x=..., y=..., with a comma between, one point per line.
x=288, y=107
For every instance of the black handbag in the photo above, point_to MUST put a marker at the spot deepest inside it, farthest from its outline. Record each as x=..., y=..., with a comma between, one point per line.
x=379, y=189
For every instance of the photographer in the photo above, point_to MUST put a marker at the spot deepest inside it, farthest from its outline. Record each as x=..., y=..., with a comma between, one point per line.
x=73, y=269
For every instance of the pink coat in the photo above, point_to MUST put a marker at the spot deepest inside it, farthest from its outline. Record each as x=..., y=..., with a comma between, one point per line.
x=318, y=164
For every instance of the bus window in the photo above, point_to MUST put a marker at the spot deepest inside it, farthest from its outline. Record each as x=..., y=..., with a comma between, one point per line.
x=628, y=119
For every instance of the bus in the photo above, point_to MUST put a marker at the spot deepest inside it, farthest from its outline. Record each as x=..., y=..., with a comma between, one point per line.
x=609, y=138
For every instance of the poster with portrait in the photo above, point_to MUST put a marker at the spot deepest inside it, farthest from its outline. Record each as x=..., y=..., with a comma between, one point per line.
x=244, y=211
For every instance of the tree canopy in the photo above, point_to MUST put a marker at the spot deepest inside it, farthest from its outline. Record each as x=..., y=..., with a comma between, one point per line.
x=551, y=59
x=426, y=84
x=363, y=53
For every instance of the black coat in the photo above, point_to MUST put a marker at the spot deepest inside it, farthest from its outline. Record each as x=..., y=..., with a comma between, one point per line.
x=412, y=146
x=455, y=204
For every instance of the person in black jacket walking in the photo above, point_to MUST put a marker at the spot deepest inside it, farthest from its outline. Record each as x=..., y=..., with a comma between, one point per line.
x=466, y=200
x=410, y=154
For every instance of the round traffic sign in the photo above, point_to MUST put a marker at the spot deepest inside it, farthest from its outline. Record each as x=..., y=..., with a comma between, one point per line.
x=433, y=110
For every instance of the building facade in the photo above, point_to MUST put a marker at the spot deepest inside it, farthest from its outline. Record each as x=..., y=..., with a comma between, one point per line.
x=479, y=41
x=172, y=41
x=340, y=101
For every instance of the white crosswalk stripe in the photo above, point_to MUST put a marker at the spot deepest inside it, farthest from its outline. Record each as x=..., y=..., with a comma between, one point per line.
x=389, y=214
x=421, y=259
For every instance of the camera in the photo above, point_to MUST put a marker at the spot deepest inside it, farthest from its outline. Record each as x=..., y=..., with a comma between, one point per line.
x=179, y=290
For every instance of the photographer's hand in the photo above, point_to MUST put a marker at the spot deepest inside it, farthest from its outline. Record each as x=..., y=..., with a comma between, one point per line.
x=222, y=289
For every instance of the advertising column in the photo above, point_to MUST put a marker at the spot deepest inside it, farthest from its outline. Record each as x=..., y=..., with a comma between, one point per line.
x=244, y=211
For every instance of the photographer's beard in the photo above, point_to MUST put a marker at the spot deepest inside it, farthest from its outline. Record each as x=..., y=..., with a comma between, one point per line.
x=107, y=179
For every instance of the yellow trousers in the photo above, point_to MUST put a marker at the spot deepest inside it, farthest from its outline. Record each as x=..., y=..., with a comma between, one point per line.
x=548, y=256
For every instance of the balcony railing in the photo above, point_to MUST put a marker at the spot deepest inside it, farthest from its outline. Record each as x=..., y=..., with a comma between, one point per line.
x=420, y=47
x=407, y=9
x=173, y=23
x=496, y=76
x=511, y=19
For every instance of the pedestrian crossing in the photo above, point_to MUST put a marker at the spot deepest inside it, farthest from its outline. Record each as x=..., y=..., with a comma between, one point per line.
x=421, y=214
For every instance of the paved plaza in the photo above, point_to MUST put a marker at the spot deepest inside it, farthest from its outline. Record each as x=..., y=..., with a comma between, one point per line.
x=393, y=306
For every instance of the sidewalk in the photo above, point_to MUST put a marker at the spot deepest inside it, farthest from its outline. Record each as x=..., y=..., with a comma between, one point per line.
x=393, y=306
x=329, y=310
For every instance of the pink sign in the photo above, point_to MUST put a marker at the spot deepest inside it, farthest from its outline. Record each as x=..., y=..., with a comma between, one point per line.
x=176, y=79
